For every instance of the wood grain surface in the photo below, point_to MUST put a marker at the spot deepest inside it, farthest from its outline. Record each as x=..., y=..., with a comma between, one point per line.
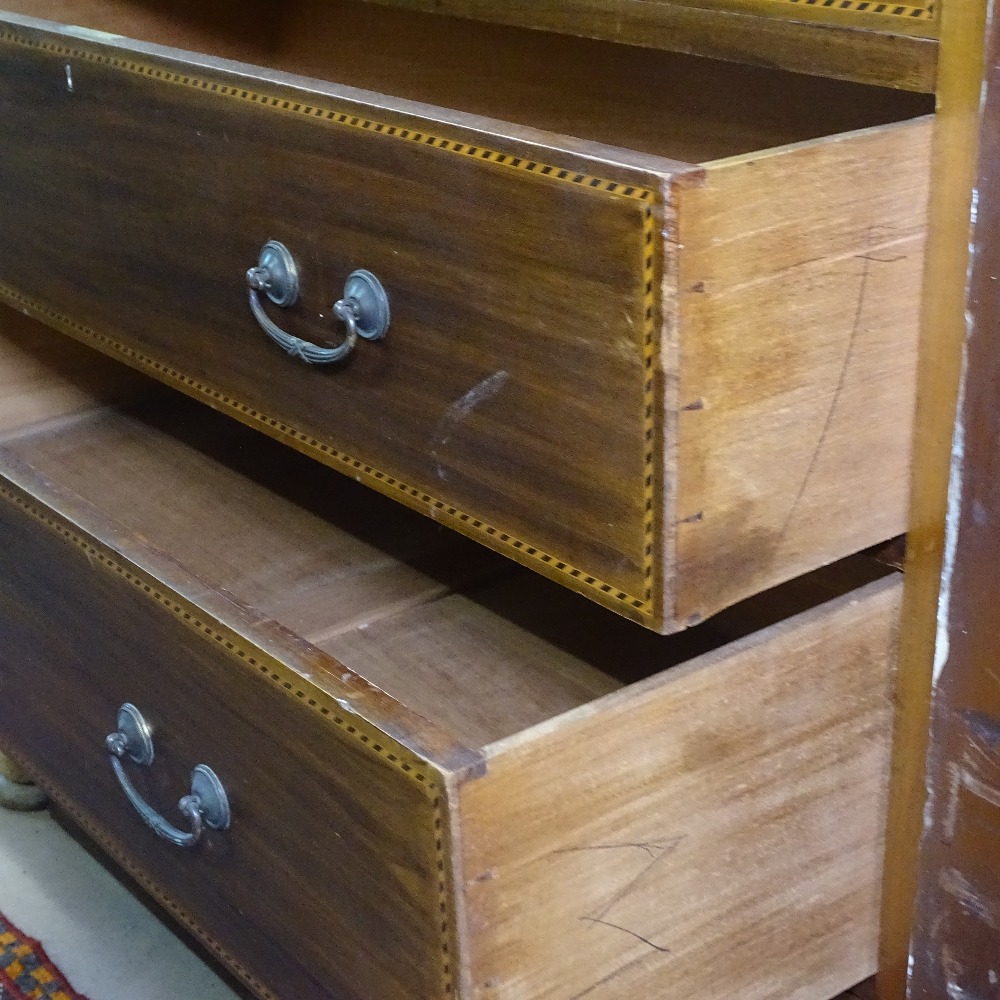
x=955, y=941
x=728, y=31
x=292, y=539
x=720, y=826
x=507, y=655
x=797, y=335
x=45, y=378
x=512, y=397
x=364, y=578
x=828, y=41
x=689, y=109
x=916, y=19
x=337, y=831
x=942, y=333
x=661, y=102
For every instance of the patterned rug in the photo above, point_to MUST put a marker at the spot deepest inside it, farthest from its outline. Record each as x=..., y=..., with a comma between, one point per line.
x=25, y=970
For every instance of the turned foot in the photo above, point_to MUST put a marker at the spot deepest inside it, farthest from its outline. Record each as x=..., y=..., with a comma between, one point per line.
x=16, y=789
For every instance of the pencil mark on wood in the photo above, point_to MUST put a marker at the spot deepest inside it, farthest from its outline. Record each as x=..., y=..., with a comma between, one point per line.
x=610, y=976
x=800, y=263
x=625, y=930
x=656, y=851
x=886, y=232
x=882, y=260
x=649, y=848
x=845, y=367
x=666, y=848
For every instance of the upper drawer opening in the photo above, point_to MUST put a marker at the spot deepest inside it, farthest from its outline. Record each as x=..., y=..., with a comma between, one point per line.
x=647, y=379
x=480, y=648
x=681, y=107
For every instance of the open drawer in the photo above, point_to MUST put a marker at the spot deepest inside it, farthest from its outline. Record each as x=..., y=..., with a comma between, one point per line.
x=446, y=776
x=662, y=354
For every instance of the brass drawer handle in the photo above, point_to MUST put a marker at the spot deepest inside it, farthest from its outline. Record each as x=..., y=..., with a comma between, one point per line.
x=364, y=309
x=206, y=805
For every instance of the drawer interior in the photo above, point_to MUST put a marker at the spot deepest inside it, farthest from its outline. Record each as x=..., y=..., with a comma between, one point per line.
x=682, y=107
x=478, y=646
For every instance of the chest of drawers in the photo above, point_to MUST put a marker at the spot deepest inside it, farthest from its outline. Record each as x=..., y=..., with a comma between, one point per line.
x=655, y=343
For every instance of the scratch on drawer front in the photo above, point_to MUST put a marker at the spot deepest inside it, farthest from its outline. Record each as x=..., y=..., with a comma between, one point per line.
x=69, y=78
x=460, y=410
x=627, y=604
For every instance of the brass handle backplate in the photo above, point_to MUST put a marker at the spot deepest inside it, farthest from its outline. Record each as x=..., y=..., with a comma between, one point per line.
x=207, y=803
x=363, y=309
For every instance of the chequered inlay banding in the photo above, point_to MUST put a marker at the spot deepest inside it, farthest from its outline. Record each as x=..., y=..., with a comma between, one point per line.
x=638, y=606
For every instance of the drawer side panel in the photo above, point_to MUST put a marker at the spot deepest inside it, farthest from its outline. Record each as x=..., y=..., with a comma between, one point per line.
x=332, y=877
x=720, y=826
x=512, y=398
x=799, y=301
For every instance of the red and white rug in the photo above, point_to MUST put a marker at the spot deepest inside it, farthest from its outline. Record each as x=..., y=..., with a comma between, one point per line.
x=26, y=972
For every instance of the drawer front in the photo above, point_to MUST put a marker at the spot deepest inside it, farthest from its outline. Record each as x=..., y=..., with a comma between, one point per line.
x=331, y=879
x=515, y=396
